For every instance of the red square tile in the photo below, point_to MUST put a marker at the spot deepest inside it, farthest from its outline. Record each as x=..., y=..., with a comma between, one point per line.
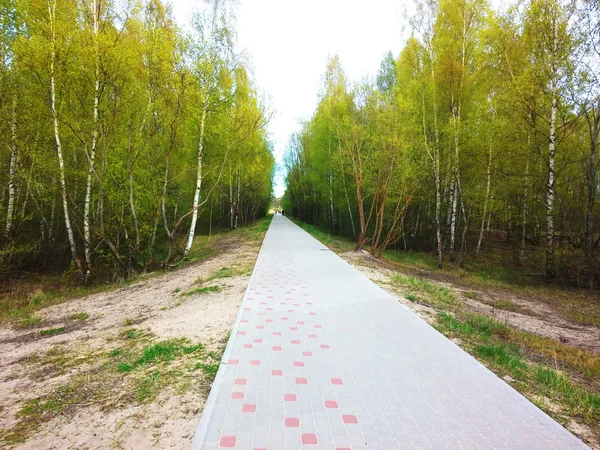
x=348, y=418
x=277, y=348
x=240, y=381
x=247, y=345
x=277, y=373
x=292, y=422
x=255, y=362
x=258, y=341
x=312, y=336
x=331, y=404
x=293, y=328
x=227, y=441
x=306, y=353
x=336, y=381
x=269, y=320
x=313, y=313
x=325, y=346
x=233, y=361
x=289, y=397
x=237, y=395
x=295, y=341
x=309, y=438
x=298, y=364
x=284, y=318
x=241, y=333
x=290, y=310
x=249, y=407
x=301, y=381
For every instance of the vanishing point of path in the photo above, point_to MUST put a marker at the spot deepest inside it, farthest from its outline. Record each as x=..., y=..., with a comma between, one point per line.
x=322, y=358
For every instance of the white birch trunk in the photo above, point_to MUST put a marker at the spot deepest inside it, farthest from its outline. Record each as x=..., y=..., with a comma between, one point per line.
x=485, y=202
x=92, y=156
x=190, y=239
x=12, y=171
x=61, y=163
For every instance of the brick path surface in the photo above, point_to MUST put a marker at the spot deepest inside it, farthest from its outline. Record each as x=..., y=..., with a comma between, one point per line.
x=322, y=358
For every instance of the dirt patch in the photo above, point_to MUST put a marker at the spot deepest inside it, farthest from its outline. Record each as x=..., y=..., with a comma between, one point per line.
x=73, y=362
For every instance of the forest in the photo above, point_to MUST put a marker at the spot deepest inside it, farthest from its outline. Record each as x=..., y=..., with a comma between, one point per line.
x=482, y=132
x=123, y=136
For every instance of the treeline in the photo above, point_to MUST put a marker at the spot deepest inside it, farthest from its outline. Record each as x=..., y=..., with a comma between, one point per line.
x=121, y=135
x=485, y=125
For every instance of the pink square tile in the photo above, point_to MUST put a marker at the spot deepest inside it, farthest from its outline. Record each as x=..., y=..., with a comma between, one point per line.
x=244, y=320
x=292, y=422
x=249, y=407
x=301, y=381
x=306, y=295
x=261, y=314
x=247, y=345
x=260, y=327
x=276, y=333
x=241, y=333
x=240, y=381
x=343, y=448
x=237, y=395
x=312, y=336
x=290, y=310
x=300, y=322
x=331, y=404
x=289, y=397
x=269, y=320
x=258, y=341
x=233, y=361
x=263, y=303
x=293, y=328
x=348, y=418
x=277, y=348
x=309, y=303
x=306, y=353
x=227, y=441
x=309, y=439
x=298, y=364
x=296, y=304
x=282, y=303
x=325, y=346
x=336, y=381
x=313, y=313
x=269, y=309
x=284, y=318
x=318, y=326
x=255, y=362
x=277, y=373
x=295, y=341
x=288, y=298
x=247, y=309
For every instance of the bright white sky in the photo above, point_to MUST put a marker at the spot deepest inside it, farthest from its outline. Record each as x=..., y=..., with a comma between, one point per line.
x=288, y=41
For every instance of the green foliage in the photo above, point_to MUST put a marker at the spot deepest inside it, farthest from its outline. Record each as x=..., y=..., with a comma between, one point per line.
x=52, y=331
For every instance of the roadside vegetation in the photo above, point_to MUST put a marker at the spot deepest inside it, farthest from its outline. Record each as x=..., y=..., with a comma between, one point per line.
x=560, y=377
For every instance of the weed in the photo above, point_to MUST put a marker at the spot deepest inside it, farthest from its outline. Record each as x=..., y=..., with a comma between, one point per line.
x=177, y=290
x=431, y=294
x=128, y=322
x=203, y=290
x=27, y=321
x=79, y=316
x=52, y=331
x=472, y=295
x=505, y=305
x=411, y=297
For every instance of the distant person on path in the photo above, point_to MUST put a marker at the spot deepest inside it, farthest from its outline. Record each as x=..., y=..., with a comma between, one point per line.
x=282, y=212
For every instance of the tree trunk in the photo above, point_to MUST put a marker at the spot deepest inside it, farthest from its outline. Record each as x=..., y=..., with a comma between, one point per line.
x=190, y=239
x=12, y=171
x=485, y=202
x=59, y=153
x=87, y=241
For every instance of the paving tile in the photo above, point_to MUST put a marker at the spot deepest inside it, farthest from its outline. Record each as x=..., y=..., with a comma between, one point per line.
x=322, y=358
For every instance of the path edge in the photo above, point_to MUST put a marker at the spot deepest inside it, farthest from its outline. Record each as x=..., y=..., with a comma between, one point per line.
x=202, y=427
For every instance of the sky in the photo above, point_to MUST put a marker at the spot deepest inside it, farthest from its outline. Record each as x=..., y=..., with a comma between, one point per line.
x=287, y=43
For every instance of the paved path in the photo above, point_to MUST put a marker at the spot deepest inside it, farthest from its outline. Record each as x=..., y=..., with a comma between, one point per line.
x=320, y=357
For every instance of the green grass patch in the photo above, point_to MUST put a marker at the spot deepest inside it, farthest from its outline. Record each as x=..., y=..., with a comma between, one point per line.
x=507, y=356
x=338, y=244
x=163, y=352
x=79, y=316
x=428, y=293
x=52, y=331
x=505, y=305
x=202, y=290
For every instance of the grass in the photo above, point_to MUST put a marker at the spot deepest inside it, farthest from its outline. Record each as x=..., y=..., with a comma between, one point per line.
x=427, y=293
x=134, y=372
x=52, y=331
x=202, y=290
x=79, y=316
x=338, y=244
x=227, y=272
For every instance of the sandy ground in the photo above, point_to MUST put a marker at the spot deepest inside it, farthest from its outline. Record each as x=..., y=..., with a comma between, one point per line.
x=155, y=305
